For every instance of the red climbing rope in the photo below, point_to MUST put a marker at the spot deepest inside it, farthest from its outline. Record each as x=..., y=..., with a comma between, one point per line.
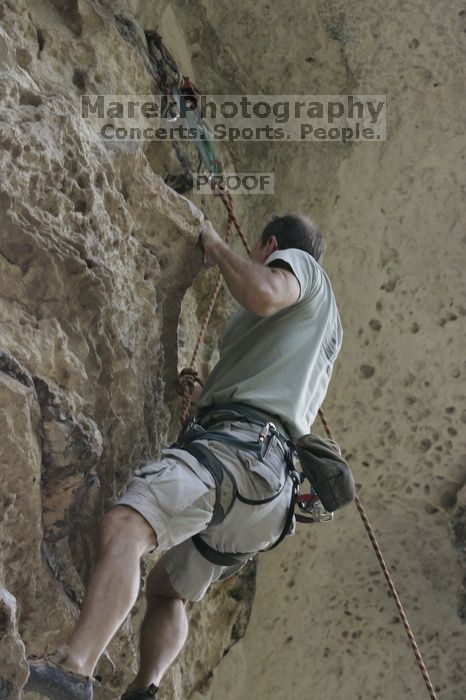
x=388, y=578
x=188, y=377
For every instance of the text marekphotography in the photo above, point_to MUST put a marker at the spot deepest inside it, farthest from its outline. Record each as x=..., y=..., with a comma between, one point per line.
x=344, y=118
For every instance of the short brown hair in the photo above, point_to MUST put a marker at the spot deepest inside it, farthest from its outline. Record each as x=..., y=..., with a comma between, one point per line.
x=295, y=230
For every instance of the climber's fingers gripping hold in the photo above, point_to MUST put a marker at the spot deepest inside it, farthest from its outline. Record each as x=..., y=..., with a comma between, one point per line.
x=209, y=241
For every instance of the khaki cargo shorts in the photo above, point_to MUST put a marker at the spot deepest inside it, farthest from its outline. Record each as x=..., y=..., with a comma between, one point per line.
x=176, y=495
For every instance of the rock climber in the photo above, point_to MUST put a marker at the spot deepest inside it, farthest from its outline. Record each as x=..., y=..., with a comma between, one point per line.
x=276, y=358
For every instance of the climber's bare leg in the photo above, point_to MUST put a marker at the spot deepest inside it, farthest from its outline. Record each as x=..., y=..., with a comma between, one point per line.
x=123, y=537
x=163, y=631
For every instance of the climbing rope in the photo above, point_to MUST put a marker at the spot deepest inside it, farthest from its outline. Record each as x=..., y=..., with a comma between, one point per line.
x=189, y=376
x=388, y=578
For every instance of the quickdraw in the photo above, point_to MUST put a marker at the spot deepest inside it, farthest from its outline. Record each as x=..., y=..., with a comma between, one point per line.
x=184, y=94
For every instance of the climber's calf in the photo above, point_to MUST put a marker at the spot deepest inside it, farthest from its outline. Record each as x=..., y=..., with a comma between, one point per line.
x=124, y=527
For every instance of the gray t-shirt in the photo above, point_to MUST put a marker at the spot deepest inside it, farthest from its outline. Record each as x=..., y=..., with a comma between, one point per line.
x=281, y=363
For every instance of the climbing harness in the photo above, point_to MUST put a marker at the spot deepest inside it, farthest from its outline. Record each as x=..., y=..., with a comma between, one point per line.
x=227, y=492
x=330, y=478
x=180, y=88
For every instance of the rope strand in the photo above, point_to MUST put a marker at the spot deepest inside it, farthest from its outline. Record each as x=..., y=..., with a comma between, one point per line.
x=186, y=402
x=388, y=578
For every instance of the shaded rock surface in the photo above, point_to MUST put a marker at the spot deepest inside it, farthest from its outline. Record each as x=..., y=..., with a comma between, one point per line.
x=13, y=663
x=101, y=299
x=96, y=255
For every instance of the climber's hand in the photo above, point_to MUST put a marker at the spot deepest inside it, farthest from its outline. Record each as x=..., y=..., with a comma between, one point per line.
x=210, y=241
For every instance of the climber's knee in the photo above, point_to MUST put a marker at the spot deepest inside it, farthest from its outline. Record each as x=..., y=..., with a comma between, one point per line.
x=158, y=584
x=124, y=527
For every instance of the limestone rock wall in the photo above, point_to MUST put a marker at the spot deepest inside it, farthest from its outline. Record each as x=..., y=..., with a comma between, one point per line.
x=96, y=255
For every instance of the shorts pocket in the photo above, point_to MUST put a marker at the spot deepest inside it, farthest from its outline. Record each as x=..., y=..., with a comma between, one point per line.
x=269, y=473
x=185, y=457
x=173, y=485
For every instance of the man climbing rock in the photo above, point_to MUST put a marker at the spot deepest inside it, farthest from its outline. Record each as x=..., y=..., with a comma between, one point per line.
x=222, y=492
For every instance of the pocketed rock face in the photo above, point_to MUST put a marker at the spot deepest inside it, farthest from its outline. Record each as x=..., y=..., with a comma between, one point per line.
x=96, y=254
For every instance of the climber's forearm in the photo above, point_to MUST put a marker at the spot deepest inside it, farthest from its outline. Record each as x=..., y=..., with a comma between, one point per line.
x=248, y=282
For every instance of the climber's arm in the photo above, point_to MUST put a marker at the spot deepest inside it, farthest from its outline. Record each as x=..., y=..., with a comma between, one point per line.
x=258, y=288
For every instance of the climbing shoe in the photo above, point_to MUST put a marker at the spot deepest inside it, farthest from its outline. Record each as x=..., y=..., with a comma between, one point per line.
x=143, y=694
x=48, y=678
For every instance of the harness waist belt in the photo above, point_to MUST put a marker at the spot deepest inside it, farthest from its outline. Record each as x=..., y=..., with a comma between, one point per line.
x=208, y=414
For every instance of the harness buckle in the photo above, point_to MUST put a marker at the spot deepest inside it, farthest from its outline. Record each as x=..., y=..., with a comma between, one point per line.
x=268, y=431
x=190, y=429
